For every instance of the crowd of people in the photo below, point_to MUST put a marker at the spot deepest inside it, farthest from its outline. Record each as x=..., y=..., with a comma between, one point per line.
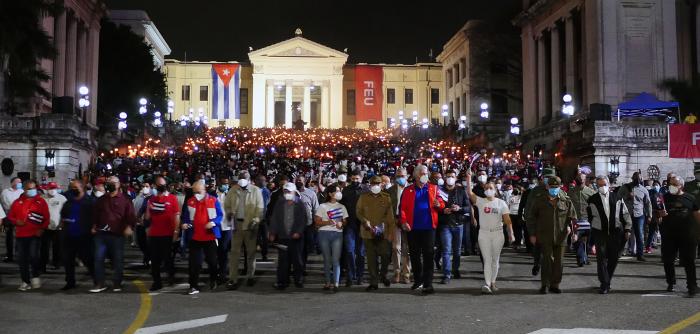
x=363, y=199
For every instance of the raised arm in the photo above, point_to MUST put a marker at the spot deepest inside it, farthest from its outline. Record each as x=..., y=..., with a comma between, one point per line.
x=470, y=193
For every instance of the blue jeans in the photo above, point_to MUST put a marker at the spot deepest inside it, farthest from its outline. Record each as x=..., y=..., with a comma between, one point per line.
x=355, y=250
x=638, y=226
x=451, y=238
x=467, y=236
x=114, y=244
x=582, y=246
x=331, y=246
x=222, y=251
x=27, y=251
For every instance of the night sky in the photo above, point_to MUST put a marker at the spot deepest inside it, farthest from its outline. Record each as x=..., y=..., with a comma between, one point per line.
x=373, y=31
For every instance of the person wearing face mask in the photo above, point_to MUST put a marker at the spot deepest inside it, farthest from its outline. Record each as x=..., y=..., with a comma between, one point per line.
x=518, y=226
x=310, y=200
x=679, y=230
x=436, y=179
x=330, y=218
x=50, y=238
x=261, y=182
x=287, y=225
x=540, y=190
x=636, y=198
x=374, y=211
x=354, y=247
x=420, y=204
x=142, y=223
x=114, y=220
x=7, y=197
x=493, y=214
x=223, y=246
x=76, y=240
x=399, y=247
x=656, y=205
x=609, y=220
x=549, y=218
x=451, y=223
x=244, y=206
x=163, y=212
x=30, y=216
x=582, y=229
x=98, y=190
x=203, y=218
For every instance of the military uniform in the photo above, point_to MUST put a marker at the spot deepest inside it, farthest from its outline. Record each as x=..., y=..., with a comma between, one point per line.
x=376, y=209
x=548, y=220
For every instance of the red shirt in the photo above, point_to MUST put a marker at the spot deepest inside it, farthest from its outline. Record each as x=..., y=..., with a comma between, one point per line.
x=33, y=211
x=201, y=218
x=162, y=210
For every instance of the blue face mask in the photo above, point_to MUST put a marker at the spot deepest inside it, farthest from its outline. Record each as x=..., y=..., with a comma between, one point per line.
x=401, y=181
x=31, y=192
x=223, y=188
x=657, y=188
x=554, y=192
x=19, y=186
x=546, y=181
x=154, y=191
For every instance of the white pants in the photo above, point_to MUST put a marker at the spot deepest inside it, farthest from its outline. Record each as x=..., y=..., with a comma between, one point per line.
x=490, y=244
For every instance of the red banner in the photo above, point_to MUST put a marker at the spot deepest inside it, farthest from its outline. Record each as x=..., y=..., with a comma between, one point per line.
x=368, y=93
x=684, y=141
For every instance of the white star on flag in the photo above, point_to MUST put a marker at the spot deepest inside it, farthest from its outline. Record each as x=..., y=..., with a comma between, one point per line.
x=226, y=72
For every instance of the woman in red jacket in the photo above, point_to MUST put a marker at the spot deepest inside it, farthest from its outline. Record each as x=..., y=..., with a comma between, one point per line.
x=30, y=216
x=420, y=204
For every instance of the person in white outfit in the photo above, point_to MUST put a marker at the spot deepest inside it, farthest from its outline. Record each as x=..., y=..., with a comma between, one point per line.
x=493, y=213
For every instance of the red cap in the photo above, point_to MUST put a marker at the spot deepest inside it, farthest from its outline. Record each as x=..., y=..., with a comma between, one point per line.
x=52, y=185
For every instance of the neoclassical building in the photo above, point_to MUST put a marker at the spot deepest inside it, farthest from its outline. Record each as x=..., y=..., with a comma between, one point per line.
x=301, y=79
x=603, y=53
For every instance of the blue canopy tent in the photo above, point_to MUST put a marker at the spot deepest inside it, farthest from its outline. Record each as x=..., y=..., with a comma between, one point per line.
x=647, y=105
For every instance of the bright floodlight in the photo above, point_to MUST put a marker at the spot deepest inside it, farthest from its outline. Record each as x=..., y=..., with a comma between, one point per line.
x=444, y=107
x=82, y=102
x=415, y=112
x=567, y=98
x=514, y=120
x=156, y=114
x=484, y=106
x=83, y=90
x=143, y=101
x=171, y=103
x=463, y=118
x=122, y=115
x=568, y=110
x=401, y=112
x=484, y=114
x=142, y=110
x=183, y=123
x=444, y=113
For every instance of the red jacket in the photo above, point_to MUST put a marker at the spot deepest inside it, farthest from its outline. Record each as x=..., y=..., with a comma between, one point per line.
x=33, y=211
x=408, y=198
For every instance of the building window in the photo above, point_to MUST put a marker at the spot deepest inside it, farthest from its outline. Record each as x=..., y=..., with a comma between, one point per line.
x=449, y=78
x=244, y=101
x=350, y=102
x=203, y=93
x=464, y=104
x=390, y=95
x=457, y=76
x=458, y=111
x=408, y=96
x=434, y=96
x=185, y=92
x=463, y=67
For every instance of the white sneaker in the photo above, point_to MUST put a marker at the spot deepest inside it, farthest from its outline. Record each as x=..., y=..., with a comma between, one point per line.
x=493, y=287
x=486, y=289
x=24, y=287
x=36, y=283
x=192, y=291
x=98, y=289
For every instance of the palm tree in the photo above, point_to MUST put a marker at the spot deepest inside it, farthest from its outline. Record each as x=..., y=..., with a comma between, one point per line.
x=23, y=43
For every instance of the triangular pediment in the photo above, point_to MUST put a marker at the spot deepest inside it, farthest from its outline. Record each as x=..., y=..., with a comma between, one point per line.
x=297, y=47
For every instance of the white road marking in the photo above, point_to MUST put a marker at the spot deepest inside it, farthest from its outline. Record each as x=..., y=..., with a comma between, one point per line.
x=589, y=331
x=661, y=295
x=182, y=325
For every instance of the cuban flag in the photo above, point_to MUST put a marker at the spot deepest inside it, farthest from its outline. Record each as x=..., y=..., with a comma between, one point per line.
x=225, y=93
x=335, y=214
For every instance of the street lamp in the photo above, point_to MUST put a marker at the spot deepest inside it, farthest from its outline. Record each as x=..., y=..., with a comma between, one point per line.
x=415, y=116
x=171, y=109
x=445, y=108
x=614, y=168
x=462, y=122
x=568, y=106
x=514, y=127
x=142, y=109
x=84, y=101
x=484, y=110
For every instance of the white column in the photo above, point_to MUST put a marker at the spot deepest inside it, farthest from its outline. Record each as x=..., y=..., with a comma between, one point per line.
x=270, y=119
x=59, y=63
x=258, y=117
x=307, y=106
x=336, y=105
x=541, y=80
x=555, y=62
x=529, y=79
x=81, y=59
x=570, y=57
x=94, y=48
x=288, y=105
x=325, y=106
x=71, y=88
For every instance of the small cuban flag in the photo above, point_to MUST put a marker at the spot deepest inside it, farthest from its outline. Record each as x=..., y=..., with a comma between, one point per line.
x=226, y=81
x=335, y=214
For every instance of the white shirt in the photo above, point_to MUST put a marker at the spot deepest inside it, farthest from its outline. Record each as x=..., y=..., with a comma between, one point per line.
x=331, y=211
x=225, y=223
x=2, y=213
x=491, y=212
x=8, y=197
x=514, y=204
x=606, y=203
x=55, y=204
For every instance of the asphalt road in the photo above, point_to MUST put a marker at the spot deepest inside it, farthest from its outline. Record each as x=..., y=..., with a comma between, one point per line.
x=638, y=303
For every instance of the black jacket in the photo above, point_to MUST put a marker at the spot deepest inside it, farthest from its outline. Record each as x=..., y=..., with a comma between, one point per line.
x=86, y=213
x=277, y=220
x=351, y=194
x=459, y=197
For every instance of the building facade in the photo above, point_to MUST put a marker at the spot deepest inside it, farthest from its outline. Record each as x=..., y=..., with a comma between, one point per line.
x=299, y=79
x=141, y=24
x=55, y=138
x=603, y=53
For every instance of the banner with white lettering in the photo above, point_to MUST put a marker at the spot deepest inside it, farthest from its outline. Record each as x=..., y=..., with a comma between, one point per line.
x=684, y=141
x=368, y=93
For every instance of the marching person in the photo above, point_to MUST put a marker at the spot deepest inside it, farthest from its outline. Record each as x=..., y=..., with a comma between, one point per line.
x=453, y=218
x=399, y=247
x=330, y=218
x=163, y=212
x=287, y=225
x=50, y=239
x=141, y=222
x=354, y=247
x=30, y=216
x=374, y=211
x=579, y=197
x=76, y=239
x=493, y=213
x=7, y=197
x=637, y=199
x=549, y=219
x=310, y=200
x=610, y=228
x=223, y=246
x=420, y=204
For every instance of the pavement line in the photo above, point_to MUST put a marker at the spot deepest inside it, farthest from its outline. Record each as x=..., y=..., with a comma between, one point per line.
x=660, y=295
x=681, y=325
x=144, y=310
x=182, y=325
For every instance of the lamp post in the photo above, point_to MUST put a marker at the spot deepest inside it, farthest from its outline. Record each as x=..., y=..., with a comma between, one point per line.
x=415, y=117
x=171, y=109
x=121, y=126
x=484, y=110
x=445, y=113
x=84, y=102
x=568, y=106
x=514, y=127
x=50, y=155
x=143, y=109
x=614, y=168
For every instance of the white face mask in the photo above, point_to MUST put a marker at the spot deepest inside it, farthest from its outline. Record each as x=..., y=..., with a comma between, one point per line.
x=451, y=181
x=499, y=186
x=508, y=192
x=424, y=179
x=338, y=196
x=673, y=190
x=603, y=190
x=199, y=197
x=481, y=178
x=146, y=191
x=375, y=189
x=243, y=183
x=99, y=194
x=441, y=182
x=52, y=192
x=289, y=197
x=342, y=178
x=490, y=193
